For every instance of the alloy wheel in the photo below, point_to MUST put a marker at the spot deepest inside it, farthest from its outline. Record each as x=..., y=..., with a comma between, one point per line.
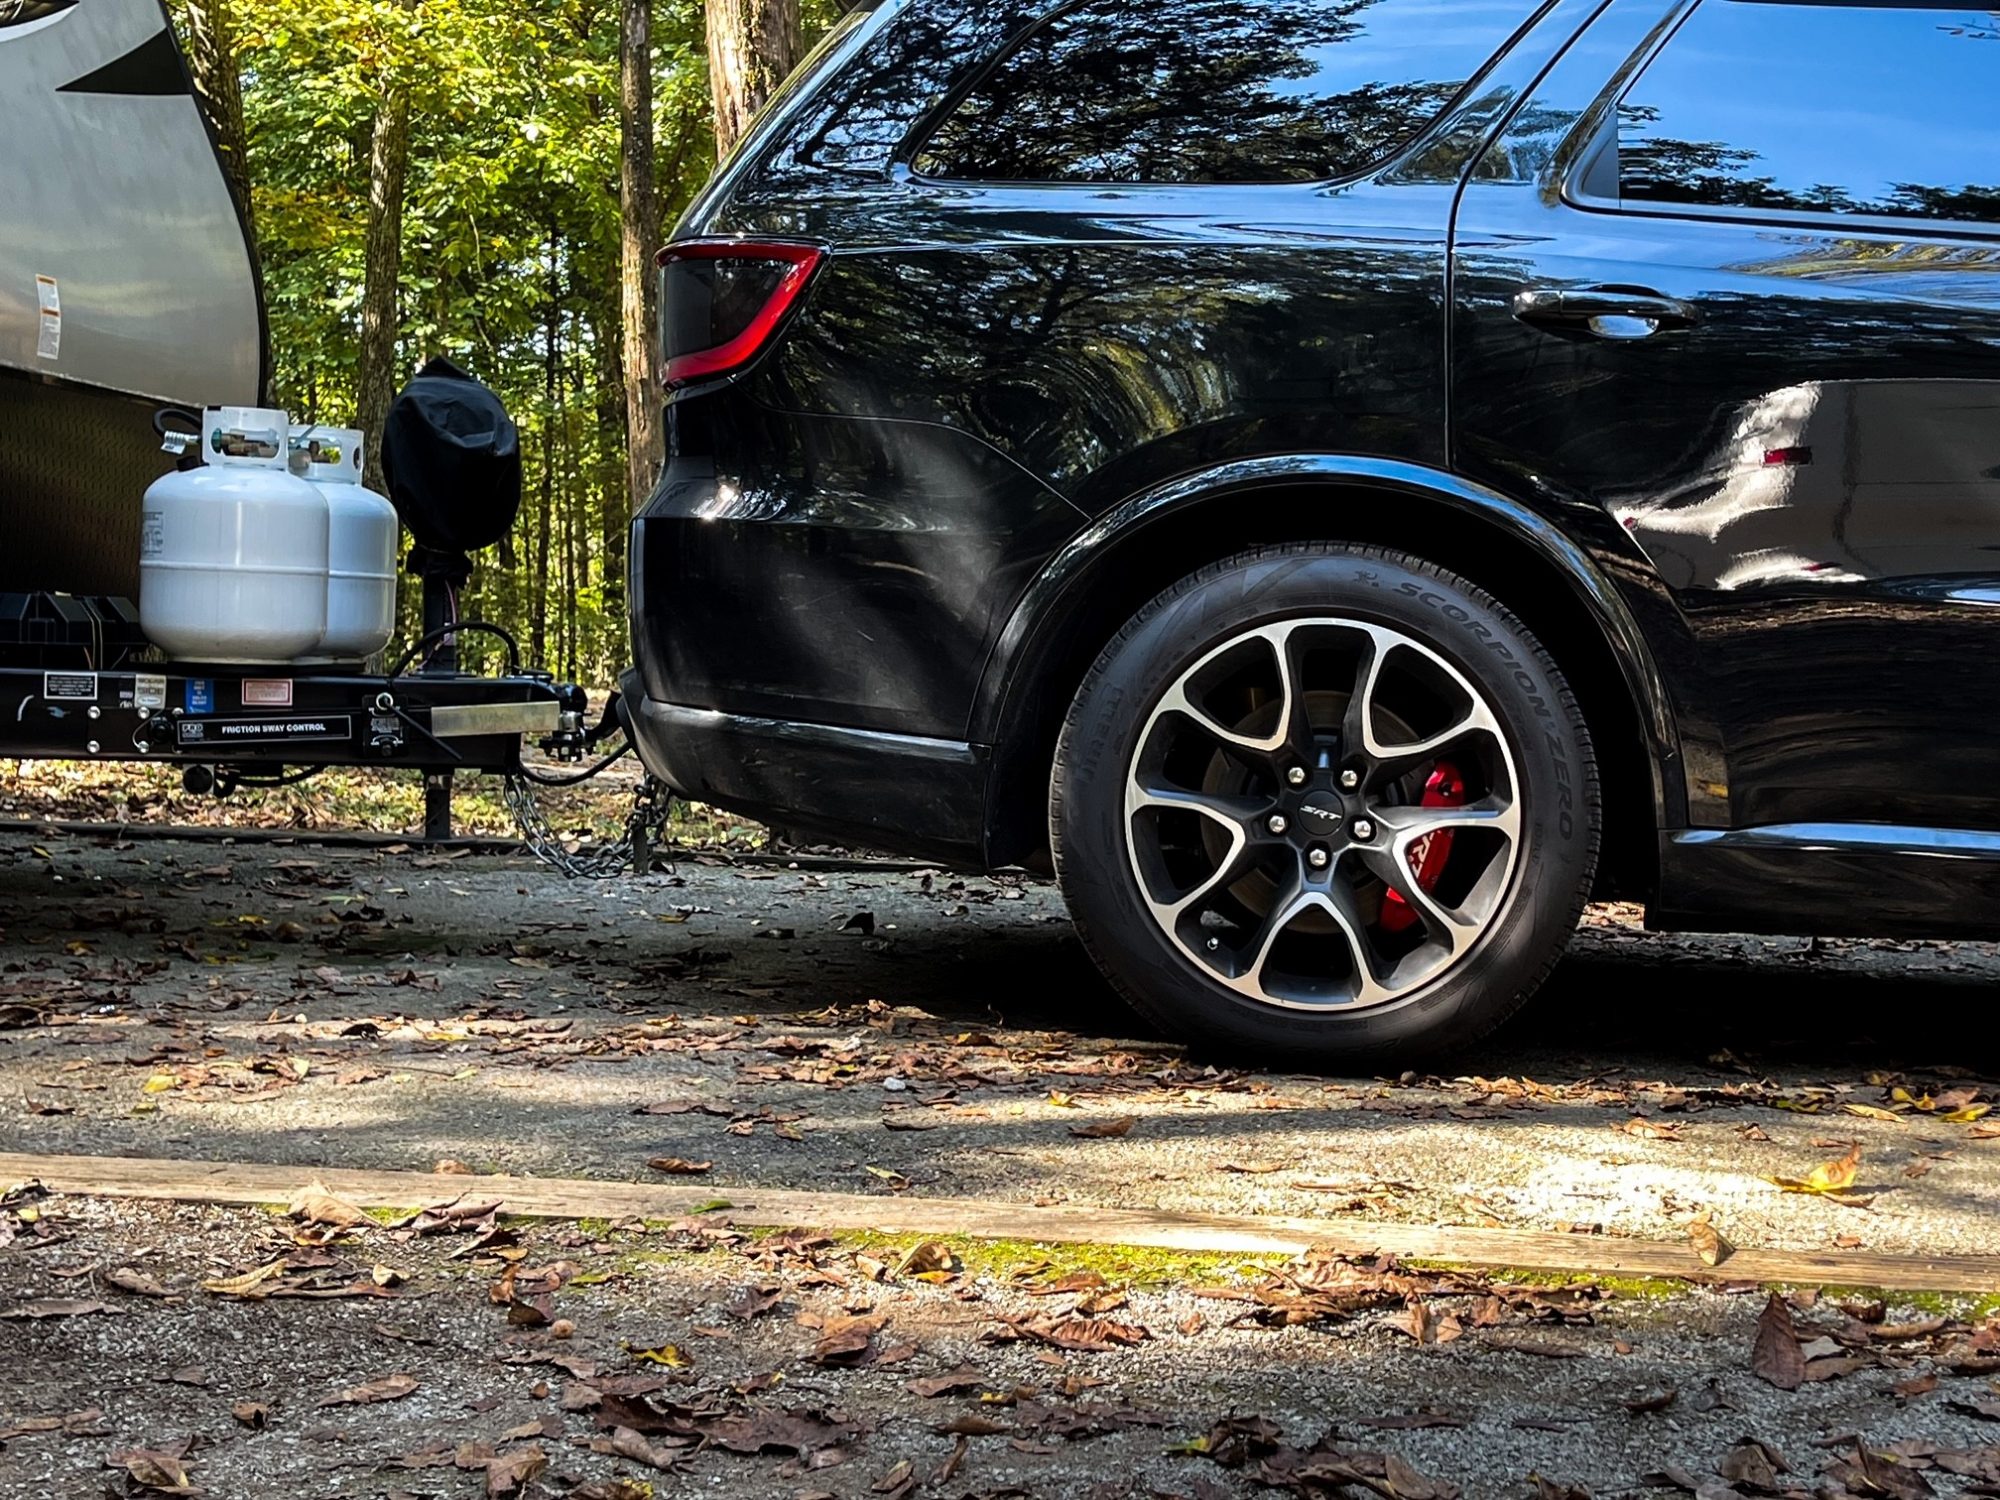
x=1323, y=812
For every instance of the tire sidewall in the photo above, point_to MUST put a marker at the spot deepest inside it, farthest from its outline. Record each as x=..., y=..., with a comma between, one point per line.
x=1544, y=734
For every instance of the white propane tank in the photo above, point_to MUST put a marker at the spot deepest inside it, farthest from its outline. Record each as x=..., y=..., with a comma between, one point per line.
x=232, y=555
x=362, y=532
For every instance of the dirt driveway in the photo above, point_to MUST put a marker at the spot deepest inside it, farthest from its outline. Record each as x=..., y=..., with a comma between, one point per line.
x=910, y=1034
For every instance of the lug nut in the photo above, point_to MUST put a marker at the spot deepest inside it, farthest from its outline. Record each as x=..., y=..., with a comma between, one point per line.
x=1362, y=828
x=1296, y=776
x=1317, y=858
x=1349, y=780
x=1276, y=823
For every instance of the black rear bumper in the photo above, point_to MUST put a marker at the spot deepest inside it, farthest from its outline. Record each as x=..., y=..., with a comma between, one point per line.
x=895, y=792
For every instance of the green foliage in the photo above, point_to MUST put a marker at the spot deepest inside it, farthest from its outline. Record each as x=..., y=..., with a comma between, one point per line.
x=510, y=247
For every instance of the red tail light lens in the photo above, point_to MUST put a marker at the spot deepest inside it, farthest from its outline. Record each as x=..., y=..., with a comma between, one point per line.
x=721, y=301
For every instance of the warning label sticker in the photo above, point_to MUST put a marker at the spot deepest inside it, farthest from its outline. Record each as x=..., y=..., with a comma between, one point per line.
x=149, y=691
x=48, y=343
x=267, y=692
x=71, y=687
x=263, y=731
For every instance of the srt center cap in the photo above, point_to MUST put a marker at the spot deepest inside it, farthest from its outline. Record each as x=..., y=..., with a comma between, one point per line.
x=1321, y=816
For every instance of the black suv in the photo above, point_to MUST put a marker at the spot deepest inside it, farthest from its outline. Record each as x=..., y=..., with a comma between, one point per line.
x=1345, y=480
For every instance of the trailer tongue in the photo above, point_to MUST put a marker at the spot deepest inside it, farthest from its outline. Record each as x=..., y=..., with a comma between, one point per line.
x=187, y=575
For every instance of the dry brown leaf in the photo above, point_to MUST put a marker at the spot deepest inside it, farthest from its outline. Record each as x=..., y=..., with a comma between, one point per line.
x=316, y=1205
x=162, y=1471
x=37, y=1308
x=899, y=1481
x=964, y=1378
x=251, y=1284
x=126, y=1279
x=506, y=1474
x=1099, y=1130
x=369, y=1392
x=846, y=1340
x=1708, y=1242
x=1775, y=1356
x=1650, y=1130
x=931, y=1258
x=678, y=1166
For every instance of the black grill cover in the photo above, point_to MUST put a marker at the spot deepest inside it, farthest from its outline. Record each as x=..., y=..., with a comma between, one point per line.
x=452, y=457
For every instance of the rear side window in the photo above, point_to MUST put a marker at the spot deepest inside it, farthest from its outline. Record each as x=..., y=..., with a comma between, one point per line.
x=1217, y=90
x=1834, y=109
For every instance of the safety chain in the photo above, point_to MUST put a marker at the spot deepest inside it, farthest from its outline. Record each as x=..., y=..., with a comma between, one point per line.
x=645, y=831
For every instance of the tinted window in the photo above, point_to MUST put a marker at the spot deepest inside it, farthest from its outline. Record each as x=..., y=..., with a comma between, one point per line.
x=1217, y=90
x=1823, y=108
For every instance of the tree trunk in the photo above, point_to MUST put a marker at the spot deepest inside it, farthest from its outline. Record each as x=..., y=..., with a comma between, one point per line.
x=211, y=57
x=388, y=156
x=639, y=239
x=615, y=508
x=545, y=514
x=753, y=45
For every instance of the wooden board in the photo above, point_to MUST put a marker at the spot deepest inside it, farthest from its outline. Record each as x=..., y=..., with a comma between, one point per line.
x=891, y=1213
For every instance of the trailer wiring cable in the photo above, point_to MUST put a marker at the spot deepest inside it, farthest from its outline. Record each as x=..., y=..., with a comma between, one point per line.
x=453, y=627
x=577, y=778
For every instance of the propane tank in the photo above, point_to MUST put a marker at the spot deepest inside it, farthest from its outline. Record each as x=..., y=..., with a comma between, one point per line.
x=233, y=554
x=362, y=532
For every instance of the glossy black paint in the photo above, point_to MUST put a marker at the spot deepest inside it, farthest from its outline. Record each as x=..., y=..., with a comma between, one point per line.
x=1757, y=458
x=1808, y=458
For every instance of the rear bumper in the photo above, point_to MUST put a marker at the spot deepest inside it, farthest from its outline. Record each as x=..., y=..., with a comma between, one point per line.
x=896, y=792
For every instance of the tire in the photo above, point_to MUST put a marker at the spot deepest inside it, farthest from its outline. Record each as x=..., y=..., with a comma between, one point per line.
x=1439, y=834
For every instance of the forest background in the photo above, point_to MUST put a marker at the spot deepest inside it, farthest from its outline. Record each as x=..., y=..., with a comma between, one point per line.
x=489, y=180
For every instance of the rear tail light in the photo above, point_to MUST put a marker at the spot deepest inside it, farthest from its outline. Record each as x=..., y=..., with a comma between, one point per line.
x=722, y=300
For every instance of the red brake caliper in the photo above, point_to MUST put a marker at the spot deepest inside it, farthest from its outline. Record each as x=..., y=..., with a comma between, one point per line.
x=1444, y=788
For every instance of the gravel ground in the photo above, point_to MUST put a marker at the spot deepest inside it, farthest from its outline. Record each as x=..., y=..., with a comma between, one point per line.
x=915, y=1032
x=1543, y=1389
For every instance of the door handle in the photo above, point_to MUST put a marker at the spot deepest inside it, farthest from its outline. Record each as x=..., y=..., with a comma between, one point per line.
x=1605, y=312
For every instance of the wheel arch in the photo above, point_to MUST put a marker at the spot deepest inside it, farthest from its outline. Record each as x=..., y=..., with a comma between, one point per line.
x=1084, y=595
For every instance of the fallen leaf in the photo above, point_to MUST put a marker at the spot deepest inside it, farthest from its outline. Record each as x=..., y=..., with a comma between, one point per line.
x=316, y=1205
x=506, y=1474
x=163, y=1471
x=1775, y=1356
x=251, y=1284
x=964, y=1378
x=899, y=1481
x=1099, y=1130
x=846, y=1340
x=1874, y=1112
x=1827, y=1177
x=931, y=1258
x=382, y=1388
x=1651, y=1130
x=678, y=1166
x=673, y=1356
x=1708, y=1242
x=138, y=1282
x=55, y=1307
